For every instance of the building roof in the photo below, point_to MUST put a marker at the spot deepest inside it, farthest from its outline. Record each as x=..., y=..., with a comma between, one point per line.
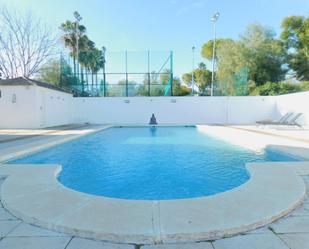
x=23, y=81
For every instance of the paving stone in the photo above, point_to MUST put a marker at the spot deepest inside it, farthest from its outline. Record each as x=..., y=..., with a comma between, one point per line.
x=80, y=243
x=34, y=242
x=201, y=245
x=5, y=215
x=7, y=226
x=292, y=224
x=296, y=240
x=27, y=230
x=251, y=241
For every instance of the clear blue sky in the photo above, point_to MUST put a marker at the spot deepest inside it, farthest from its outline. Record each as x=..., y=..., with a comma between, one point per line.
x=163, y=24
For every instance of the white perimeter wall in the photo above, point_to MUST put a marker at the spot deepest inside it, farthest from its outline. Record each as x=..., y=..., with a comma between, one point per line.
x=174, y=110
x=38, y=107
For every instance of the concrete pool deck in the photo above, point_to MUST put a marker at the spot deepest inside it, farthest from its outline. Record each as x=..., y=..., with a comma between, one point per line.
x=291, y=232
x=33, y=194
x=15, y=143
x=160, y=221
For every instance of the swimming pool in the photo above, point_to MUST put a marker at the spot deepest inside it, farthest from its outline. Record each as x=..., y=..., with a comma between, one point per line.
x=146, y=163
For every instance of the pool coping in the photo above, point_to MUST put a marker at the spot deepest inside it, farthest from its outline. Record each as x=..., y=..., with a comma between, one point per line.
x=33, y=194
x=35, y=148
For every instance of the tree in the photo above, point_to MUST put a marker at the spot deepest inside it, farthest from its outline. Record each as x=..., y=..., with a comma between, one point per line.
x=180, y=89
x=155, y=85
x=95, y=63
x=276, y=88
x=231, y=60
x=50, y=72
x=257, y=51
x=57, y=73
x=202, y=65
x=159, y=84
x=304, y=86
x=295, y=36
x=25, y=44
x=202, y=78
x=90, y=58
x=265, y=55
x=72, y=31
x=67, y=77
x=119, y=89
x=85, y=57
x=207, y=48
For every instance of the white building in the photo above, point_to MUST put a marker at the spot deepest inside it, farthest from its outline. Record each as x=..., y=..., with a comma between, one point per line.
x=26, y=103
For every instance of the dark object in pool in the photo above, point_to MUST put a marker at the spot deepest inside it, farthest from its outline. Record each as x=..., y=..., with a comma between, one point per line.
x=153, y=120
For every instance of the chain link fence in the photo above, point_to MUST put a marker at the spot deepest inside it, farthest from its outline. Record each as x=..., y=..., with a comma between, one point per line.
x=121, y=74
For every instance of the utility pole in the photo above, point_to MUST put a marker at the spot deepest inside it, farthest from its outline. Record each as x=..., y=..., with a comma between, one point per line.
x=193, y=68
x=214, y=19
x=104, y=73
x=78, y=19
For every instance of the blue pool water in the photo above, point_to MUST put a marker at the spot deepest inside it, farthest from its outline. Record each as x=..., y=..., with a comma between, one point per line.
x=151, y=163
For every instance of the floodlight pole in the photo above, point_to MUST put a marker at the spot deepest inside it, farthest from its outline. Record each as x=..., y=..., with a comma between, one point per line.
x=214, y=19
x=193, y=67
x=104, y=75
x=78, y=19
x=127, y=80
x=61, y=69
x=172, y=73
x=148, y=67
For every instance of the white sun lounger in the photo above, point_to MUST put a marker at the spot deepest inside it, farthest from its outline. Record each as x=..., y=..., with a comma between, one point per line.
x=282, y=120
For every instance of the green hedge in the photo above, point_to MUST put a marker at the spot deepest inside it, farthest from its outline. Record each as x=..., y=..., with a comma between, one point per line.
x=277, y=88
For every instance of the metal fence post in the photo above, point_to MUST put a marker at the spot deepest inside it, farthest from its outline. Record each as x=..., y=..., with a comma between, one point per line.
x=127, y=82
x=61, y=69
x=172, y=74
x=104, y=75
x=148, y=58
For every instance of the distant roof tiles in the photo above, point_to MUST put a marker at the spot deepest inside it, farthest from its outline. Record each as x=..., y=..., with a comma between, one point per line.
x=23, y=81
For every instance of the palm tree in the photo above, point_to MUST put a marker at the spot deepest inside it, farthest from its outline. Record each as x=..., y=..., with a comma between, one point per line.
x=86, y=45
x=97, y=63
x=92, y=60
x=86, y=56
x=71, y=31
